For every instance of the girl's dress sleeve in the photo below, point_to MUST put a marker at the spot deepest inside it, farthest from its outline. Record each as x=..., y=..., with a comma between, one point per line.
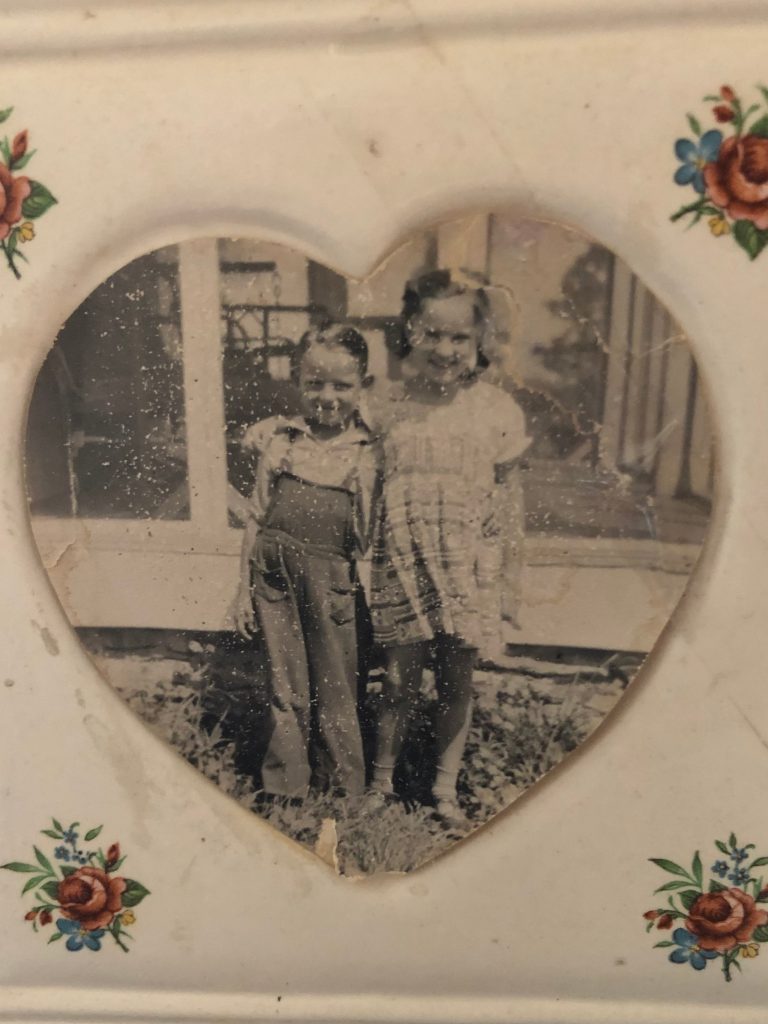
x=367, y=489
x=510, y=435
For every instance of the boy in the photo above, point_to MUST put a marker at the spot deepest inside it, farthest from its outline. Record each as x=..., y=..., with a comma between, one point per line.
x=311, y=516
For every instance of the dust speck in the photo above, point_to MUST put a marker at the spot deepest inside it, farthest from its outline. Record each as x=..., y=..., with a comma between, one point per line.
x=49, y=640
x=9, y=682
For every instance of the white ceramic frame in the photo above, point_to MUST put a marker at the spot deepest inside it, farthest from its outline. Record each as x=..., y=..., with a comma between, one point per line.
x=538, y=917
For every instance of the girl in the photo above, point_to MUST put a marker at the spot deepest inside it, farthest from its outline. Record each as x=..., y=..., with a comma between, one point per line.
x=310, y=519
x=439, y=550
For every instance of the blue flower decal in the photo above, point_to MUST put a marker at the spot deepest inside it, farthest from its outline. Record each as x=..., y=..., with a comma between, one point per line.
x=693, y=156
x=78, y=936
x=61, y=853
x=739, y=855
x=739, y=876
x=688, y=951
x=720, y=868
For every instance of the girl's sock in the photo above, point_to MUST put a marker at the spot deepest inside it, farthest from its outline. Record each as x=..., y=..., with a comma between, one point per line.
x=444, y=786
x=382, y=778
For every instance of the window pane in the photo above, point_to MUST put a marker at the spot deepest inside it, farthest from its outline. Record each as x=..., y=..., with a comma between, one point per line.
x=106, y=434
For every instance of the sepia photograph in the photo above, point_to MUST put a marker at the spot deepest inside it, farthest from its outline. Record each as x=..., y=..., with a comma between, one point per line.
x=374, y=556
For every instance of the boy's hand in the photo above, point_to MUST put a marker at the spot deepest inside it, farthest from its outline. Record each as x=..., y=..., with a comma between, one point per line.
x=243, y=614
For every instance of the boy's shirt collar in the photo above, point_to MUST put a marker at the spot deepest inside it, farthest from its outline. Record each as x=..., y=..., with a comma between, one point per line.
x=357, y=431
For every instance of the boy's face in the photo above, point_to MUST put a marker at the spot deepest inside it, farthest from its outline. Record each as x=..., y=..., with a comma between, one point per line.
x=330, y=385
x=444, y=339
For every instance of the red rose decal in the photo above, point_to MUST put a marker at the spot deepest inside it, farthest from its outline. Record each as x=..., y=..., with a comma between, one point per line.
x=723, y=113
x=722, y=920
x=13, y=192
x=738, y=180
x=19, y=147
x=91, y=897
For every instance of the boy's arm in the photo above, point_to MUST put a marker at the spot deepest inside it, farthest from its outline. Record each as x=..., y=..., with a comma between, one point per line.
x=243, y=612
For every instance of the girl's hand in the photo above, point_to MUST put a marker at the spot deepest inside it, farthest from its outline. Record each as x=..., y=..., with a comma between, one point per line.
x=243, y=613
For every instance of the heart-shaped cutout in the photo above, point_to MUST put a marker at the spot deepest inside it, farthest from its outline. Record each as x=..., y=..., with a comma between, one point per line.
x=449, y=509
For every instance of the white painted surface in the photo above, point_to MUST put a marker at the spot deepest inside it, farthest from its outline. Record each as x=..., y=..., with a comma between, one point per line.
x=161, y=128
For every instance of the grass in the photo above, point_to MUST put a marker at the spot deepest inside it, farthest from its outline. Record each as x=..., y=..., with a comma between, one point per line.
x=212, y=713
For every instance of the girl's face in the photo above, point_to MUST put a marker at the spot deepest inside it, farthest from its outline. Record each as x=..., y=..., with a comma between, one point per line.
x=330, y=385
x=444, y=339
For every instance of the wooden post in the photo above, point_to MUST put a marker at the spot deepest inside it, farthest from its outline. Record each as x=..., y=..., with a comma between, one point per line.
x=203, y=385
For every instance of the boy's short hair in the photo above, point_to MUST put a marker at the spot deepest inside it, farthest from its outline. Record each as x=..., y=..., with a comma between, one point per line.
x=333, y=336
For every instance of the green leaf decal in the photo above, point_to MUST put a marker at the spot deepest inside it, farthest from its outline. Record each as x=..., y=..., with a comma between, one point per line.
x=689, y=897
x=51, y=889
x=57, y=825
x=671, y=885
x=18, y=866
x=761, y=933
x=32, y=883
x=663, y=944
x=67, y=870
x=94, y=832
x=721, y=846
x=21, y=163
x=760, y=127
x=732, y=837
x=43, y=861
x=49, y=832
x=716, y=886
x=134, y=893
x=759, y=863
x=696, y=868
x=56, y=937
x=752, y=240
x=670, y=866
x=5, y=114
x=694, y=123
x=35, y=205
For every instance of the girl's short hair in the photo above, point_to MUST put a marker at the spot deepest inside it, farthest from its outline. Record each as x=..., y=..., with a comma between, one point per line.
x=438, y=284
x=332, y=336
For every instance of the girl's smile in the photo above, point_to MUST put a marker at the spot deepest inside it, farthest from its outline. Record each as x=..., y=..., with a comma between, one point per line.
x=444, y=338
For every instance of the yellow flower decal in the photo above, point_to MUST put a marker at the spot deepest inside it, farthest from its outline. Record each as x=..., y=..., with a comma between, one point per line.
x=27, y=231
x=750, y=950
x=128, y=917
x=719, y=226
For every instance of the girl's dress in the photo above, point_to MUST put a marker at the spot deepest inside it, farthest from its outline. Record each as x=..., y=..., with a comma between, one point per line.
x=445, y=526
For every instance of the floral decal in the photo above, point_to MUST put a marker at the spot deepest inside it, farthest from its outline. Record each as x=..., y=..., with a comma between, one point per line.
x=79, y=891
x=22, y=199
x=721, y=917
x=729, y=172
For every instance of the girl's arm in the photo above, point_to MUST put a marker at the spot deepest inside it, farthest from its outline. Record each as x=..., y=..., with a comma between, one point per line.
x=512, y=511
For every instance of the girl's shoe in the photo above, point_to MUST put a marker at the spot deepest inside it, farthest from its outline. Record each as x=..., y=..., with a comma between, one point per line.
x=447, y=808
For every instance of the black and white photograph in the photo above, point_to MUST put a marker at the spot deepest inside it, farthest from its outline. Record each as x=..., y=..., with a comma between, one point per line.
x=374, y=556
